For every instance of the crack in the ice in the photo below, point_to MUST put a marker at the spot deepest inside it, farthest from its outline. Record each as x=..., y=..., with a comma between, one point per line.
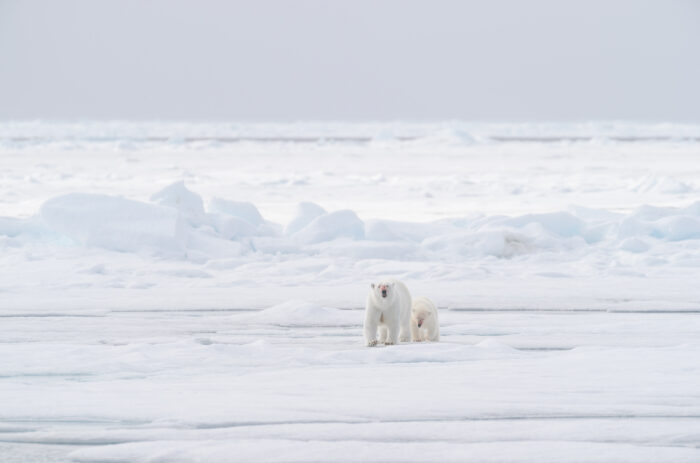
x=591, y=310
x=105, y=442
x=447, y=419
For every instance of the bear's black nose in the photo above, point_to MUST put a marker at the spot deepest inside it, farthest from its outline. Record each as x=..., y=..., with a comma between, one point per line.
x=383, y=292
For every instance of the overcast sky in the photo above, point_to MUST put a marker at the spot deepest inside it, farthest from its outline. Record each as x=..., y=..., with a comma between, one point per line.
x=352, y=60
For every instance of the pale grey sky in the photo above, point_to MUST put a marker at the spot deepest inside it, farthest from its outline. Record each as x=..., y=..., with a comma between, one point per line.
x=351, y=60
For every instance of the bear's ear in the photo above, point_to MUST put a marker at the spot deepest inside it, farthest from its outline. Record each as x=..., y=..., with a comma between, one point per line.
x=372, y=285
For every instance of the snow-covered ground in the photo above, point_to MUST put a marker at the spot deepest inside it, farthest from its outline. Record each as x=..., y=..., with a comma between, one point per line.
x=193, y=292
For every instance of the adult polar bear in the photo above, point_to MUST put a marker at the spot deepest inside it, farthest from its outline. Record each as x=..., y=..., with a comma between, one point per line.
x=388, y=309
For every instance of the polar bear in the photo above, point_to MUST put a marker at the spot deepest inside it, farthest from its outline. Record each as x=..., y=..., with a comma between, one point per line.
x=424, y=320
x=389, y=309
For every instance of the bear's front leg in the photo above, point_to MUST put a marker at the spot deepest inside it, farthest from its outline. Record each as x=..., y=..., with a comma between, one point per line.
x=370, y=328
x=415, y=332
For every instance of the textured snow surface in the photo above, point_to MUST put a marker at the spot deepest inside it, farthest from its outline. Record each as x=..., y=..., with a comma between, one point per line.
x=193, y=292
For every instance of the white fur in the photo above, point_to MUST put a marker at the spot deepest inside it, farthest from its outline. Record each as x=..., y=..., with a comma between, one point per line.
x=424, y=309
x=390, y=315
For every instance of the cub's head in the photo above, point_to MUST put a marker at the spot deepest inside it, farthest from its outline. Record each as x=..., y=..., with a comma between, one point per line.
x=420, y=314
x=383, y=289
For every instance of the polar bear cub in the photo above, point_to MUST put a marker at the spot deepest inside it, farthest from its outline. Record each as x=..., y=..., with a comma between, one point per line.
x=388, y=309
x=424, y=320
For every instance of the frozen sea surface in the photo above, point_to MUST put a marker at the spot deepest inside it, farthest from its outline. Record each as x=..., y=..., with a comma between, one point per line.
x=193, y=292
x=254, y=386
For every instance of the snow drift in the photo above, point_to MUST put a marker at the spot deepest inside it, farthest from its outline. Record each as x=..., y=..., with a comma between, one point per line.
x=178, y=222
x=113, y=223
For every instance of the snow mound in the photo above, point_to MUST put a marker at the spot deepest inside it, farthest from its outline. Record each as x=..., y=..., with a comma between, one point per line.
x=301, y=313
x=504, y=244
x=180, y=227
x=239, y=219
x=667, y=223
x=647, y=213
x=242, y=210
x=679, y=228
x=634, y=245
x=498, y=243
x=305, y=213
x=379, y=230
x=113, y=223
x=233, y=228
x=339, y=224
x=12, y=227
x=693, y=209
x=177, y=196
x=558, y=223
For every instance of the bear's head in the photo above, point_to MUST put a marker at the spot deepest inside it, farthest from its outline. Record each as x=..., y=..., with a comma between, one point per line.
x=419, y=314
x=384, y=290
